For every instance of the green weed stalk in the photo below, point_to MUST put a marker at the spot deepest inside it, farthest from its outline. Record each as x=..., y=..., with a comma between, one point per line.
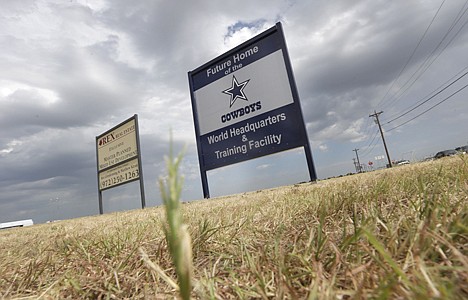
x=177, y=236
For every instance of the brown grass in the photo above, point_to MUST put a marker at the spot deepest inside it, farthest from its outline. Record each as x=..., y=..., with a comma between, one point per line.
x=389, y=234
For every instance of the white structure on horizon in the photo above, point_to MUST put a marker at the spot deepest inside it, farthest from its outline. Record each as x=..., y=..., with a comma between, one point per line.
x=21, y=223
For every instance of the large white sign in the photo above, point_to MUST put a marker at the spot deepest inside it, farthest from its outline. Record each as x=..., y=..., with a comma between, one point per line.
x=266, y=80
x=245, y=105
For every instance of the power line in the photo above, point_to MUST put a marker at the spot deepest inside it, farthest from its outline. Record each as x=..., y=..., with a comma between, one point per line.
x=430, y=59
x=367, y=151
x=373, y=147
x=430, y=98
x=427, y=64
x=430, y=108
x=368, y=128
x=432, y=92
x=367, y=131
x=412, y=54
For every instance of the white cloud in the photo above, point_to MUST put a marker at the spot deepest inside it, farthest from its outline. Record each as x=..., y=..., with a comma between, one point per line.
x=262, y=167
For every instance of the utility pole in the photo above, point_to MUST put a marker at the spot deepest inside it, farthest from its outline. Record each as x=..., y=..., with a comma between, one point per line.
x=358, y=169
x=376, y=115
x=355, y=165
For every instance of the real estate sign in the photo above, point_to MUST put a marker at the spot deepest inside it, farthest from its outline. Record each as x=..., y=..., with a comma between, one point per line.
x=118, y=157
x=245, y=105
x=117, y=145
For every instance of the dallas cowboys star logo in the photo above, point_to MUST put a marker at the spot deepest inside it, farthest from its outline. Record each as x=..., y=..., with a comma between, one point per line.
x=236, y=91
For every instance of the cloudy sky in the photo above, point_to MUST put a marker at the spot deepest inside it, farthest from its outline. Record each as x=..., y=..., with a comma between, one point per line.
x=70, y=70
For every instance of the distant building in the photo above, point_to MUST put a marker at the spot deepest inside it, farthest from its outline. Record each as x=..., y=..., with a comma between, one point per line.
x=21, y=223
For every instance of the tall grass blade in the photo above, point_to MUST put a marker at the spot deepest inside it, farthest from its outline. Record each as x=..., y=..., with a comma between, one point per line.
x=177, y=236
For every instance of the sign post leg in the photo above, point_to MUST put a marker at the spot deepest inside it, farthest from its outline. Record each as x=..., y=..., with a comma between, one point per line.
x=204, y=179
x=100, y=203
x=310, y=162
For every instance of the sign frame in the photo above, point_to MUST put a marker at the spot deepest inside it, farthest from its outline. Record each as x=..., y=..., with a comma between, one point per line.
x=125, y=169
x=210, y=131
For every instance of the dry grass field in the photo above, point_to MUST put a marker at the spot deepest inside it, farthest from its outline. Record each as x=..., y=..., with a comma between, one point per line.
x=390, y=234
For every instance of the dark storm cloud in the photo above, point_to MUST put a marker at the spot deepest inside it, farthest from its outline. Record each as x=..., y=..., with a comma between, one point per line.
x=38, y=159
x=360, y=49
x=85, y=82
x=179, y=36
x=354, y=55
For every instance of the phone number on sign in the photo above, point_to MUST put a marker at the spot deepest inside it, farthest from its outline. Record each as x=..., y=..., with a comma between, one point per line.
x=117, y=179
